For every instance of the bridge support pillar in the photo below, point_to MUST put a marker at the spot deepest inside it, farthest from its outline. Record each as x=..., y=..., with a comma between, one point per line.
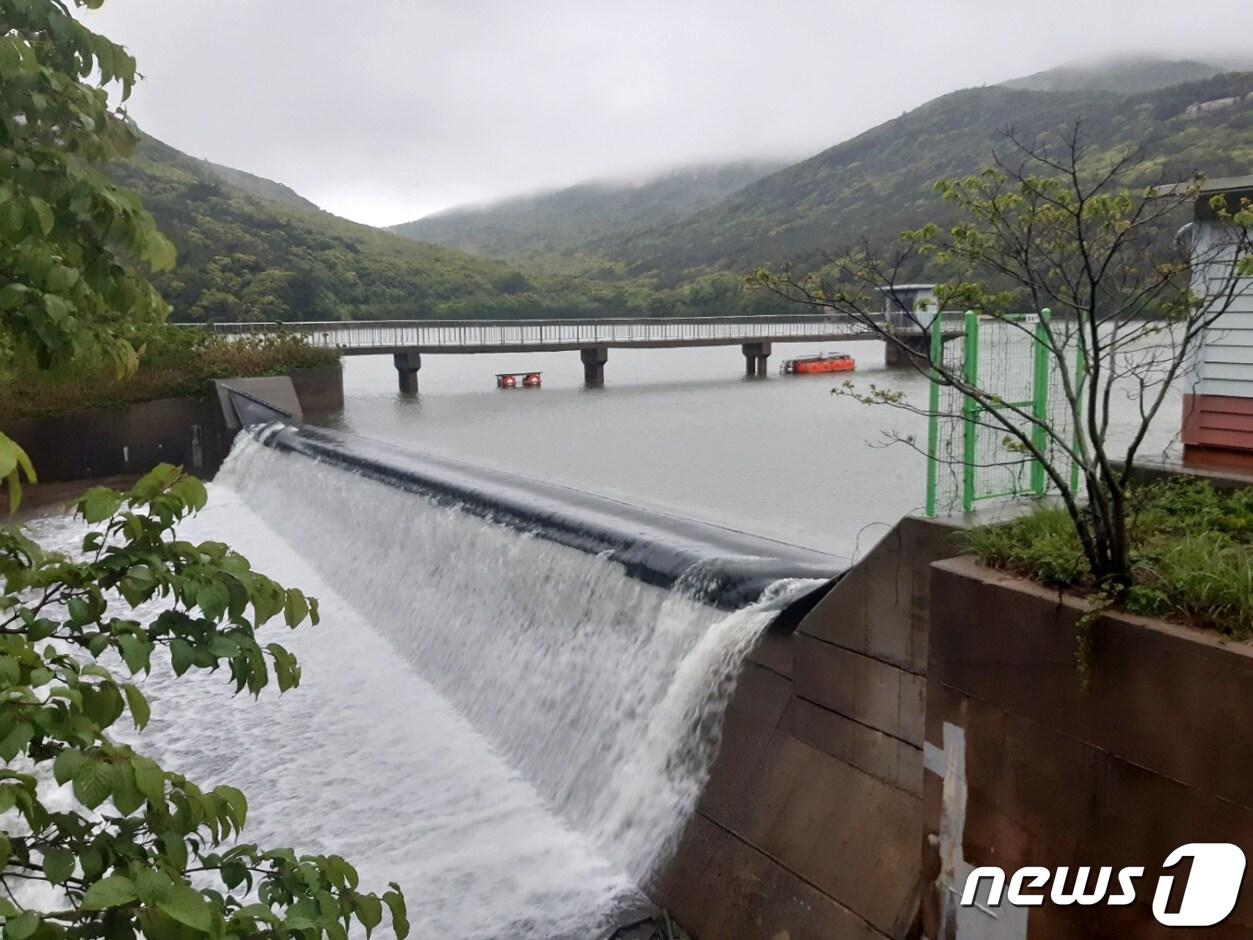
x=407, y=365
x=594, y=359
x=755, y=356
x=919, y=351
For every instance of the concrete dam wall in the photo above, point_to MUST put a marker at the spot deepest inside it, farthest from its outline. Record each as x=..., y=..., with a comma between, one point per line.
x=811, y=824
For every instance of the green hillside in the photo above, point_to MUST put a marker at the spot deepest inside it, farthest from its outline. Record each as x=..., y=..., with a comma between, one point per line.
x=260, y=186
x=880, y=183
x=549, y=228
x=257, y=252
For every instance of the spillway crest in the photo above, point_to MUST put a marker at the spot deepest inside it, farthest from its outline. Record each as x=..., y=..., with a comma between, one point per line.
x=592, y=647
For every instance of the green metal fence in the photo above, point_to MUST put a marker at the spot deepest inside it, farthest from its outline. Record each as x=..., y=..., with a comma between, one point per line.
x=971, y=456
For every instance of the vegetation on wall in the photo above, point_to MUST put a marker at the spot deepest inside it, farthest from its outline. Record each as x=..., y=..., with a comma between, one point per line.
x=176, y=362
x=1191, y=553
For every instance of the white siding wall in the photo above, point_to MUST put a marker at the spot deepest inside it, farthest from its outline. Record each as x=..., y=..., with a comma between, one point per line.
x=1224, y=364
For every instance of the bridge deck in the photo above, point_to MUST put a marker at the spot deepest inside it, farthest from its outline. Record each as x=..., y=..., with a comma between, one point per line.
x=487, y=336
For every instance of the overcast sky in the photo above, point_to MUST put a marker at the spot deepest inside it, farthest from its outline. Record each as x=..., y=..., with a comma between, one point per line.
x=385, y=110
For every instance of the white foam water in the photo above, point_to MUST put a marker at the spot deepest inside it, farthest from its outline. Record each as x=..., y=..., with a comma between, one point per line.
x=512, y=729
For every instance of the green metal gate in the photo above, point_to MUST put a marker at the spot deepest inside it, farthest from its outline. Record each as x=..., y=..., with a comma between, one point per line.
x=971, y=457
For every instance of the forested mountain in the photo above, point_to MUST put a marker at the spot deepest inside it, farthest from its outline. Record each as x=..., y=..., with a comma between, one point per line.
x=880, y=183
x=1127, y=76
x=547, y=226
x=251, y=249
x=260, y=186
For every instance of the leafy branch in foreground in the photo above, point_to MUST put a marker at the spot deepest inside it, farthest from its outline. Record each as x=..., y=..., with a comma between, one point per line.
x=135, y=849
x=72, y=245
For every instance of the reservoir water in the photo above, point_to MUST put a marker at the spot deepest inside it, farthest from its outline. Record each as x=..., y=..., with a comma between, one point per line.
x=683, y=430
x=513, y=729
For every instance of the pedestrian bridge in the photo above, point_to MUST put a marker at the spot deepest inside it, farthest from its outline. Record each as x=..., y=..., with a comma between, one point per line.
x=407, y=340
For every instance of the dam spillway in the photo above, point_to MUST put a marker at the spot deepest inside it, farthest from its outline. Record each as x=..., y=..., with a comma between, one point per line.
x=517, y=691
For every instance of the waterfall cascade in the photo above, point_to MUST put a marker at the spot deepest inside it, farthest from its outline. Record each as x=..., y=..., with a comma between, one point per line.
x=554, y=667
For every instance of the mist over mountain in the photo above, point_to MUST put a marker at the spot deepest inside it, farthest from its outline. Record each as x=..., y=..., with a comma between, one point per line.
x=691, y=226
x=881, y=182
x=1125, y=75
x=678, y=244
x=544, y=226
x=253, y=249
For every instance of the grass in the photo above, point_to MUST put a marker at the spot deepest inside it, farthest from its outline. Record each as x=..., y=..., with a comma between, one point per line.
x=176, y=362
x=1191, y=546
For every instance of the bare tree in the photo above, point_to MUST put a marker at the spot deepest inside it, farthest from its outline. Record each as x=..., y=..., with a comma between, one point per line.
x=1054, y=225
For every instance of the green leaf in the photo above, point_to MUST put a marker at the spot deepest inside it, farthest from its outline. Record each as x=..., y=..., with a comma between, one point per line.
x=98, y=504
x=16, y=740
x=369, y=911
x=237, y=802
x=212, y=599
x=126, y=796
x=140, y=712
x=182, y=655
x=136, y=652
x=58, y=865
x=188, y=906
x=93, y=783
x=149, y=778
x=295, y=607
x=175, y=849
x=113, y=891
x=21, y=926
x=67, y=764
x=395, y=902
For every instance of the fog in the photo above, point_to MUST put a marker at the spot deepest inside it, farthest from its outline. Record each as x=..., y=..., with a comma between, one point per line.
x=386, y=110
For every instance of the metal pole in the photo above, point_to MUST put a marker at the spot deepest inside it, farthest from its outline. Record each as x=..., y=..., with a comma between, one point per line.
x=1081, y=378
x=933, y=426
x=1040, y=401
x=970, y=410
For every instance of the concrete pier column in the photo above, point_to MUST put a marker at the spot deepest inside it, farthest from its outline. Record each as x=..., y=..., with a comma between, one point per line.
x=407, y=365
x=896, y=357
x=594, y=359
x=755, y=358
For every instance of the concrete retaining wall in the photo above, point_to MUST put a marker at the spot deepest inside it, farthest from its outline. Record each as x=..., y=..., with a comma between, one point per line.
x=810, y=825
x=1025, y=768
x=820, y=821
x=105, y=442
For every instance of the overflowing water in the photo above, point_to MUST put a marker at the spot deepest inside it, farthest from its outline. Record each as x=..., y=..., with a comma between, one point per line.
x=512, y=729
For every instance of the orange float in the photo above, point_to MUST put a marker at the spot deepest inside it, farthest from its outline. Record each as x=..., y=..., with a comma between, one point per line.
x=823, y=362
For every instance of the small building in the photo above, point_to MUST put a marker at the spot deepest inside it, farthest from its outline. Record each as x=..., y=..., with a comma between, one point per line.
x=1218, y=383
x=909, y=305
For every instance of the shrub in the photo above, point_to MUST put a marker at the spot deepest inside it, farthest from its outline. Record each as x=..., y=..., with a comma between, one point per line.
x=1191, y=553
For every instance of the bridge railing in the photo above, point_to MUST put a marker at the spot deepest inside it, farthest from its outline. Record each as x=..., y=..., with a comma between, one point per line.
x=364, y=334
